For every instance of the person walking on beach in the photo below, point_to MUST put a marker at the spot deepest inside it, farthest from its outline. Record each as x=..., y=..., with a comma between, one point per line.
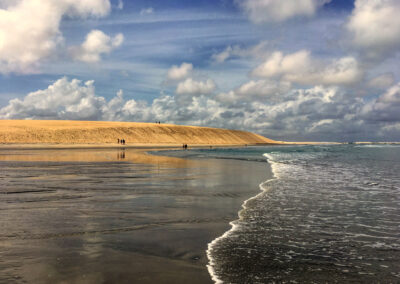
x=118, y=140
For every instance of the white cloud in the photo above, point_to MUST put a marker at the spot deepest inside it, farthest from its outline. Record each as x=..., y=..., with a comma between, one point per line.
x=393, y=128
x=75, y=100
x=147, y=11
x=374, y=27
x=262, y=11
x=300, y=67
x=263, y=90
x=62, y=100
x=259, y=51
x=179, y=72
x=382, y=81
x=311, y=113
x=279, y=64
x=385, y=108
x=96, y=44
x=223, y=55
x=192, y=87
x=392, y=95
x=29, y=29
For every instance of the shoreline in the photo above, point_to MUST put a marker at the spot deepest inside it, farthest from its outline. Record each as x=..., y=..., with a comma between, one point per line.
x=233, y=224
x=144, y=146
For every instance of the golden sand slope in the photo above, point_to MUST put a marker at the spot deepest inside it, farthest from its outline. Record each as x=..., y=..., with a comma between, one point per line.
x=100, y=132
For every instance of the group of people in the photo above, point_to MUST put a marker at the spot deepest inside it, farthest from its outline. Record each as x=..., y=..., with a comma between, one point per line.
x=184, y=146
x=121, y=141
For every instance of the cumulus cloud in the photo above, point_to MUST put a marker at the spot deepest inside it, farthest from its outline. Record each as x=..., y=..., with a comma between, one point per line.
x=392, y=95
x=193, y=87
x=385, y=107
x=300, y=67
x=29, y=29
x=96, y=44
x=179, y=72
x=147, y=11
x=77, y=100
x=62, y=100
x=264, y=90
x=382, y=81
x=263, y=11
x=310, y=113
x=374, y=27
x=279, y=64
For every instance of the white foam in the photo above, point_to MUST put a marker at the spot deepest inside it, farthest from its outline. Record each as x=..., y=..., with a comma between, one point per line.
x=234, y=225
x=377, y=145
x=341, y=185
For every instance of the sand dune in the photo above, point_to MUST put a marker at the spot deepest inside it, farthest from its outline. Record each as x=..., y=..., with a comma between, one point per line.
x=107, y=133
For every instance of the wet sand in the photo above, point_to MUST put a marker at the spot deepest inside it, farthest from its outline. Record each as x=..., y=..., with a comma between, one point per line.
x=115, y=216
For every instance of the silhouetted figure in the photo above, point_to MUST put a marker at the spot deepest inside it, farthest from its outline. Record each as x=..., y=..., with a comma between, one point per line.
x=118, y=140
x=123, y=141
x=159, y=122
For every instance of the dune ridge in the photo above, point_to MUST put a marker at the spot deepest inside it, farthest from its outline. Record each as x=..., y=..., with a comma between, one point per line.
x=105, y=132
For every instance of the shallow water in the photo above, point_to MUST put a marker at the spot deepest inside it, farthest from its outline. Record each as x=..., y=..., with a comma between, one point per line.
x=331, y=214
x=115, y=216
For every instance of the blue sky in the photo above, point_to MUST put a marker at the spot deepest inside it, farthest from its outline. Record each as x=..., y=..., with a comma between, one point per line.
x=288, y=69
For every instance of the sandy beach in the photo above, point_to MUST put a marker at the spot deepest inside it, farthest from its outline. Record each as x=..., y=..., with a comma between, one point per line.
x=112, y=215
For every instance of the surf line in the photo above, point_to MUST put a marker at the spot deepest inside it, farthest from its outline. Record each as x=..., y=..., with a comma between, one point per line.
x=234, y=224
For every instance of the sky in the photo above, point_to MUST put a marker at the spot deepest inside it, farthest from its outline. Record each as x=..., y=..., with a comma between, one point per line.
x=295, y=70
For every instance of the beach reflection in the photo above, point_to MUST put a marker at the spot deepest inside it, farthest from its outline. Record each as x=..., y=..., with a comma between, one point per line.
x=115, y=215
x=90, y=155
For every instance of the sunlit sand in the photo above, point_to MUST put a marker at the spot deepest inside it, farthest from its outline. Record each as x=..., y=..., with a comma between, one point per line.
x=62, y=133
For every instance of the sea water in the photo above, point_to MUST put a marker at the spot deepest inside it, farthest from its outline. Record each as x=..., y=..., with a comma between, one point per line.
x=330, y=214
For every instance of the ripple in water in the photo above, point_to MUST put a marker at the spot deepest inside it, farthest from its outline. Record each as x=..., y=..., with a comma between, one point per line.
x=331, y=214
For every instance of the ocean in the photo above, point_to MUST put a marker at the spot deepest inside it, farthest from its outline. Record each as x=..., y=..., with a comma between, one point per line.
x=330, y=214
